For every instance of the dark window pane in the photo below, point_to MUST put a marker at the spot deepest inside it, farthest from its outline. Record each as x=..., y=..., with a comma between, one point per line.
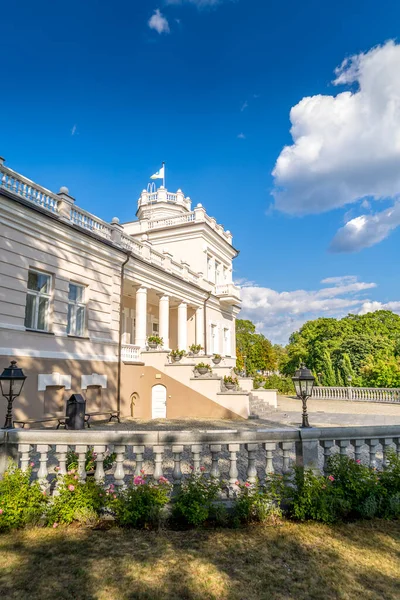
x=39, y=282
x=30, y=311
x=80, y=321
x=42, y=314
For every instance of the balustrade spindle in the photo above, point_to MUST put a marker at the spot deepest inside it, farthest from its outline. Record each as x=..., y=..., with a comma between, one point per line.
x=119, y=473
x=81, y=451
x=43, y=471
x=357, y=445
x=251, y=462
x=25, y=450
x=343, y=445
x=61, y=452
x=177, y=472
x=158, y=453
x=372, y=443
x=270, y=448
x=99, y=474
x=286, y=448
x=139, y=451
x=327, y=446
x=215, y=449
x=386, y=445
x=196, y=450
x=233, y=470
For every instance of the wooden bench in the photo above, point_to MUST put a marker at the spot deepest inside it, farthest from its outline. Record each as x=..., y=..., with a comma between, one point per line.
x=62, y=421
x=112, y=414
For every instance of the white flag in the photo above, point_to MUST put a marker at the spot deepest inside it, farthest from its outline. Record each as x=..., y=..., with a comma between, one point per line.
x=158, y=174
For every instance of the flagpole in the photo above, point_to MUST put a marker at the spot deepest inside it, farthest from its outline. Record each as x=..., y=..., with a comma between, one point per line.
x=163, y=182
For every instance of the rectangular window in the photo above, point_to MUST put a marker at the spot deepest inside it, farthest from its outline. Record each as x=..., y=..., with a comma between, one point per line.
x=217, y=272
x=209, y=269
x=76, y=310
x=38, y=301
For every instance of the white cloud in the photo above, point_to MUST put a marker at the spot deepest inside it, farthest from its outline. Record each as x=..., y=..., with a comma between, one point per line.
x=158, y=22
x=366, y=230
x=244, y=106
x=369, y=306
x=74, y=130
x=241, y=136
x=198, y=3
x=346, y=147
x=278, y=314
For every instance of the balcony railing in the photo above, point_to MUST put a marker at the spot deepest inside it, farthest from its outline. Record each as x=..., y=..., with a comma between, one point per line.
x=227, y=291
x=130, y=353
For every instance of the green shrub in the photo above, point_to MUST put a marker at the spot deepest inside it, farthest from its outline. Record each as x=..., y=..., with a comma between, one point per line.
x=194, y=503
x=90, y=460
x=75, y=500
x=256, y=502
x=141, y=504
x=21, y=502
x=282, y=383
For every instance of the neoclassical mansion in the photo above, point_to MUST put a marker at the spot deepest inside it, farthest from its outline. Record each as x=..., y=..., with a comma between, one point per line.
x=80, y=297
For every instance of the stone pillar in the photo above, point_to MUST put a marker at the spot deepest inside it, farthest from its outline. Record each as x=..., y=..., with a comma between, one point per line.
x=65, y=204
x=141, y=317
x=200, y=326
x=116, y=231
x=182, y=326
x=163, y=316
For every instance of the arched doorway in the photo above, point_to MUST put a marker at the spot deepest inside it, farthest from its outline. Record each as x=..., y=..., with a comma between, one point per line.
x=159, y=402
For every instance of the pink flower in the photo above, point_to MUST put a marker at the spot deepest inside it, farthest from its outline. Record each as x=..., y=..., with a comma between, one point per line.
x=358, y=461
x=163, y=480
x=76, y=477
x=55, y=525
x=100, y=495
x=331, y=478
x=32, y=464
x=247, y=484
x=142, y=471
x=44, y=493
x=71, y=487
x=56, y=468
x=202, y=469
x=1, y=511
x=191, y=467
x=72, y=471
x=138, y=480
x=115, y=495
x=237, y=482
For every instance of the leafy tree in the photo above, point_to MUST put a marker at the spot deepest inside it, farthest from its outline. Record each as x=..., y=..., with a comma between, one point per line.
x=257, y=349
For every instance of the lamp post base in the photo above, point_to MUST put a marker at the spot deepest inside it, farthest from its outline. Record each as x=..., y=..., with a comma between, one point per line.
x=305, y=423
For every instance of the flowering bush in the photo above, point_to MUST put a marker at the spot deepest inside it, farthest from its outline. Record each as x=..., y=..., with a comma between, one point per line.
x=21, y=502
x=256, y=502
x=350, y=491
x=90, y=460
x=194, y=502
x=141, y=504
x=75, y=500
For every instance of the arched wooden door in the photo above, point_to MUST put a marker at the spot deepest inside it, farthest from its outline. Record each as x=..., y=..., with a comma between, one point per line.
x=159, y=402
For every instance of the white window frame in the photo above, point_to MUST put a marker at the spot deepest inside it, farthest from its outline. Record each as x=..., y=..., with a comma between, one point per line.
x=217, y=271
x=214, y=341
x=227, y=341
x=37, y=295
x=75, y=305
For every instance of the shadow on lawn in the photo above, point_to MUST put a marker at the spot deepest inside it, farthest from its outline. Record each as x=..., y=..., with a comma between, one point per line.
x=275, y=563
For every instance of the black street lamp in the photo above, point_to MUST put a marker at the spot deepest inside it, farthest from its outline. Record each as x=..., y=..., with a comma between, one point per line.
x=12, y=381
x=304, y=382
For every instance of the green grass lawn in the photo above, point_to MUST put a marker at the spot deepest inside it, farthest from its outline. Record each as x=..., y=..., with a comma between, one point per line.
x=299, y=561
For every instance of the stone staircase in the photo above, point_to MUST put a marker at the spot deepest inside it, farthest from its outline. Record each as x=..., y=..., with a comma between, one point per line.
x=259, y=408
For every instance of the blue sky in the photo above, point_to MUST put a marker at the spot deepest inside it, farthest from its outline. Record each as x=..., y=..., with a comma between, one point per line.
x=96, y=94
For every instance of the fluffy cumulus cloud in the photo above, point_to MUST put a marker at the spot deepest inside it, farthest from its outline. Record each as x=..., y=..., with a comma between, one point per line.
x=278, y=314
x=346, y=147
x=158, y=22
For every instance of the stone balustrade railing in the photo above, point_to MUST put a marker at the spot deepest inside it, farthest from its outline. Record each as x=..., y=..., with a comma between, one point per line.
x=226, y=454
x=130, y=353
x=27, y=189
x=227, y=289
x=360, y=394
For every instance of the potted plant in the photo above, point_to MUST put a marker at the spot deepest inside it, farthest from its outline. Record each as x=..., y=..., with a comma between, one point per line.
x=176, y=355
x=230, y=382
x=203, y=368
x=216, y=359
x=195, y=349
x=154, y=341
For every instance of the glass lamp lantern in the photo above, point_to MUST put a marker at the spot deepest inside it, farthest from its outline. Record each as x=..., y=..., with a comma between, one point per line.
x=304, y=382
x=11, y=383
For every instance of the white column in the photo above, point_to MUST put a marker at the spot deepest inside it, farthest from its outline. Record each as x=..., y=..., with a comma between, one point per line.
x=182, y=326
x=163, y=316
x=141, y=317
x=200, y=326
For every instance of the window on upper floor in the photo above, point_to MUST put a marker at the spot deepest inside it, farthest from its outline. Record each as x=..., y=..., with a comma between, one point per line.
x=217, y=278
x=76, y=310
x=210, y=272
x=37, y=308
x=225, y=274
